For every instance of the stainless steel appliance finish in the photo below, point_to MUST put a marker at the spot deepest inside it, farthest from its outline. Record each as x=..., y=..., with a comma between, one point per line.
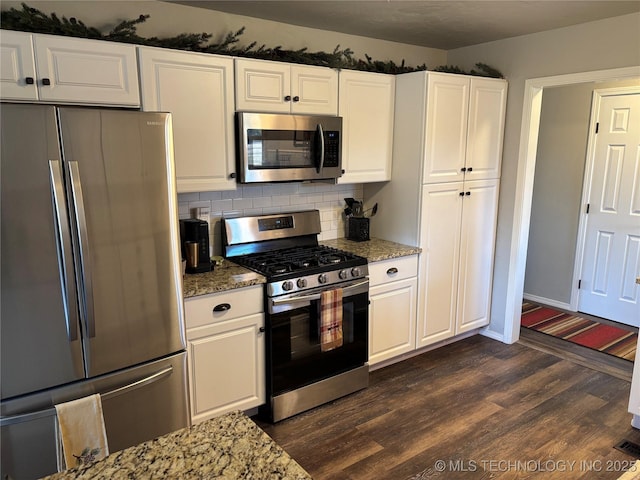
x=284, y=248
x=90, y=274
x=286, y=148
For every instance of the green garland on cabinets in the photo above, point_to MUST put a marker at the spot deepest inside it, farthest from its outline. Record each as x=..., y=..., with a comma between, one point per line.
x=32, y=20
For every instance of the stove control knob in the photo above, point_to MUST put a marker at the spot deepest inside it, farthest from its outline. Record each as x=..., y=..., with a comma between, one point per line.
x=302, y=282
x=322, y=278
x=344, y=274
x=288, y=285
x=355, y=272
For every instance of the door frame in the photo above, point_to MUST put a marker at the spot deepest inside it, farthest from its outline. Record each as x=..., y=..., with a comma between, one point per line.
x=598, y=94
x=530, y=126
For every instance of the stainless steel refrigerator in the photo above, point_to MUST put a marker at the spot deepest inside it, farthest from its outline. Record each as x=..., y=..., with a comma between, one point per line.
x=91, y=289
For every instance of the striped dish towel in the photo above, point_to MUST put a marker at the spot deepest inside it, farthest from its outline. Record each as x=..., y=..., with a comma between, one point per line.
x=331, y=319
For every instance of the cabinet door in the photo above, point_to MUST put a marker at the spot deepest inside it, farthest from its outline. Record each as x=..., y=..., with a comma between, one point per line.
x=367, y=108
x=73, y=70
x=446, y=127
x=438, y=276
x=488, y=99
x=392, y=319
x=17, y=65
x=314, y=90
x=477, y=246
x=226, y=366
x=198, y=91
x=262, y=86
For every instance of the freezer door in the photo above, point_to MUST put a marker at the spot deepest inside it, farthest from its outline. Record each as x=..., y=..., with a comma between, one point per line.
x=138, y=404
x=40, y=345
x=120, y=180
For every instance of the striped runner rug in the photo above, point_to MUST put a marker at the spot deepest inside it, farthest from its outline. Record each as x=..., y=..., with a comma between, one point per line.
x=582, y=331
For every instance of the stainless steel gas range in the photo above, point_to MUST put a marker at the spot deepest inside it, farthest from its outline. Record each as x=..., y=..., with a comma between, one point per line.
x=305, y=366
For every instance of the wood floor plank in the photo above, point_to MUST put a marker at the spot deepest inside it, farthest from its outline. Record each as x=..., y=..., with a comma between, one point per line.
x=479, y=406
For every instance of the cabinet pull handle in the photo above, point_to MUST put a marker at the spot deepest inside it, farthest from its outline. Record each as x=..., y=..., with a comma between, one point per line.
x=392, y=271
x=46, y=81
x=223, y=307
x=287, y=98
x=29, y=80
x=232, y=175
x=296, y=98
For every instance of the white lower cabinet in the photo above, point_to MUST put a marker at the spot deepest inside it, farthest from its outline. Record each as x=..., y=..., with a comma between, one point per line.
x=392, y=308
x=225, y=350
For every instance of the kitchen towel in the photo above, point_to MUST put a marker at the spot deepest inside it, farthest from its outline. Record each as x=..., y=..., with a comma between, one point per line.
x=82, y=437
x=331, y=319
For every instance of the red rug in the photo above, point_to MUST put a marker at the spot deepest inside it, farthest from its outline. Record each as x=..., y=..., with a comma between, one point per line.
x=573, y=328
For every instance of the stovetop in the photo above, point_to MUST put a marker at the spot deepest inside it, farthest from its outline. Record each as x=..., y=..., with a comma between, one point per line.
x=284, y=248
x=295, y=261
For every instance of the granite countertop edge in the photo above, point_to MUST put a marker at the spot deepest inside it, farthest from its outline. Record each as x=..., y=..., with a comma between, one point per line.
x=230, y=276
x=375, y=249
x=231, y=446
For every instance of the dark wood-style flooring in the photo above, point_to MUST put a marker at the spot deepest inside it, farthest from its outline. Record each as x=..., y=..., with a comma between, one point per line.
x=485, y=409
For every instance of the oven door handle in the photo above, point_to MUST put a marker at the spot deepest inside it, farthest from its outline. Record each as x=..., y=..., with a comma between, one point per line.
x=346, y=291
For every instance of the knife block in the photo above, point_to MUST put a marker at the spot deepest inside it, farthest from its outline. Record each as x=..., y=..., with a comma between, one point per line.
x=358, y=229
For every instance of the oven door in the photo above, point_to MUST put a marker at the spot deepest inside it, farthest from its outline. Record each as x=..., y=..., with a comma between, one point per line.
x=294, y=354
x=276, y=148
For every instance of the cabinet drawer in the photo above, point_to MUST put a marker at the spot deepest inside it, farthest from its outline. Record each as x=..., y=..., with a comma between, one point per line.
x=393, y=269
x=199, y=311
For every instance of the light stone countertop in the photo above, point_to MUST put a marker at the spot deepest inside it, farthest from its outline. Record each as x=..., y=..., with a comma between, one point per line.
x=228, y=447
x=374, y=250
x=229, y=276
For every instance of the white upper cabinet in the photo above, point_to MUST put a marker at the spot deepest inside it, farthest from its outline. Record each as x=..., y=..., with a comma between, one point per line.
x=198, y=91
x=276, y=87
x=50, y=68
x=366, y=106
x=464, y=128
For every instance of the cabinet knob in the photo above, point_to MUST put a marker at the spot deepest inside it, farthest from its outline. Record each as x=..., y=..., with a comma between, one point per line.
x=461, y=194
x=223, y=307
x=463, y=169
x=392, y=271
x=261, y=329
x=470, y=169
x=232, y=175
x=467, y=193
x=287, y=98
x=29, y=80
x=46, y=81
x=296, y=98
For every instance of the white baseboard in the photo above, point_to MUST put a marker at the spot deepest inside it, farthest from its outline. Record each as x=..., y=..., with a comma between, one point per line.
x=499, y=336
x=548, y=301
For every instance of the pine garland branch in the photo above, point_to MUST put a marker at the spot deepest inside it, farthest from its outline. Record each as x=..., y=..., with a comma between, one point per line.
x=32, y=20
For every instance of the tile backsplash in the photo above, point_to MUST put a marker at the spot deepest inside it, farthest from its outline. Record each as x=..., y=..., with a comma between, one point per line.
x=270, y=198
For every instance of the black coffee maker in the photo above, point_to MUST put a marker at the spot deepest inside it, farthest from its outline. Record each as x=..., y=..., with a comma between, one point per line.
x=194, y=242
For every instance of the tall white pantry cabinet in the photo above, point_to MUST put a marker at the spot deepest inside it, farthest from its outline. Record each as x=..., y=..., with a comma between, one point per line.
x=443, y=195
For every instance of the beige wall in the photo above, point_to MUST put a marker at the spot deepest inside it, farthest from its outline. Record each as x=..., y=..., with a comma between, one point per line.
x=605, y=44
x=169, y=19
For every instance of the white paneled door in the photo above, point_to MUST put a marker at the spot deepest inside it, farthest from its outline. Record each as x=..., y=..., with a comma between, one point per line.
x=611, y=259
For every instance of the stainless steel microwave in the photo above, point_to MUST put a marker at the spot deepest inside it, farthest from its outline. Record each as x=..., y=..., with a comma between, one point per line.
x=287, y=148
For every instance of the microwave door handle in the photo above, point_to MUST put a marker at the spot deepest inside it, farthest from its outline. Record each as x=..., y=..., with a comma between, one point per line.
x=321, y=159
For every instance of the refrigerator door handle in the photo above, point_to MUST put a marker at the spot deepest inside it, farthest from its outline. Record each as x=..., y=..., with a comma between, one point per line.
x=27, y=417
x=85, y=258
x=63, y=237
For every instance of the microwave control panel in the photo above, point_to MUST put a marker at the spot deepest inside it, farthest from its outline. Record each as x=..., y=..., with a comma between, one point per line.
x=332, y=149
